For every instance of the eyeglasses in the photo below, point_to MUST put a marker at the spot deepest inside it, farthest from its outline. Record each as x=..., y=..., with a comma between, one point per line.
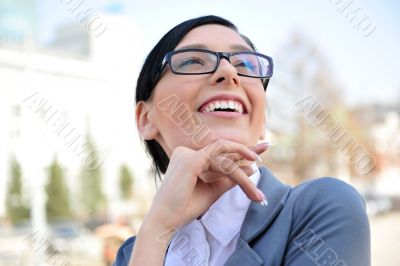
x=200, y=61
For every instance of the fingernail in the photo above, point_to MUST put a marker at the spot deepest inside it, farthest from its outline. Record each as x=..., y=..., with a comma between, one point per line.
x=265, y=144
x=262, y=196
x=264, y=203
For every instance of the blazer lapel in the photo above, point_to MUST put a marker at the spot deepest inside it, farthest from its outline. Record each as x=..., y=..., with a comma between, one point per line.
x=258, y=218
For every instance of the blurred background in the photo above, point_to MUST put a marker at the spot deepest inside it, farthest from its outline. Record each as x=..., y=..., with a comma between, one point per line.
x=75, y=181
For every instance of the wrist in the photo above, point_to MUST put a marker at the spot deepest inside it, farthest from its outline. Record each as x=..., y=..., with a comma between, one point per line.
x=151, y=242
x=159, y=232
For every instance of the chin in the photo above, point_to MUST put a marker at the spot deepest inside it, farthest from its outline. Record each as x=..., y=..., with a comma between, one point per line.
x=230, y=135
x=234, y=135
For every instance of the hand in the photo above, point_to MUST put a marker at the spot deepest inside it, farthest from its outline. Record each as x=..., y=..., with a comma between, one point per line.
x=195, y=179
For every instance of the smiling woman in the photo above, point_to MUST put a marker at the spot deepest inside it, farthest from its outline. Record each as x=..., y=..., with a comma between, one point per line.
x=200, y=103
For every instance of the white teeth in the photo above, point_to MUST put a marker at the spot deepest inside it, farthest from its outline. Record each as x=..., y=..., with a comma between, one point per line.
x=233, y=105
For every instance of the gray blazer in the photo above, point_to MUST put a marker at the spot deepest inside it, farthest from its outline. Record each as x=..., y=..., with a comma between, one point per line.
x=319, y=222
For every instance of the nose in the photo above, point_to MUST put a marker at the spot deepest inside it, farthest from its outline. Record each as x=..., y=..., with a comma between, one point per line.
x=225, y=73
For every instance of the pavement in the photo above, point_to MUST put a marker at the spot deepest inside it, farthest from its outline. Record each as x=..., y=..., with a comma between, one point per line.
x=385, y=239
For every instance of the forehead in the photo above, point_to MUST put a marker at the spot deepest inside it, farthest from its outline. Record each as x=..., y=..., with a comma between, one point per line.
x=213, y=37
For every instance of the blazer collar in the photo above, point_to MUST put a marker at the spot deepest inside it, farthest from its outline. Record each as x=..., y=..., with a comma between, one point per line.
x=258, y=218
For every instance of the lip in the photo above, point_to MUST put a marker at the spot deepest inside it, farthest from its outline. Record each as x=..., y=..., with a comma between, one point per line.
x=222, y=114
x=224, y=97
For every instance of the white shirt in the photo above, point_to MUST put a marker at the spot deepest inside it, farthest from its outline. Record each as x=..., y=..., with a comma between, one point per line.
x=212, y=239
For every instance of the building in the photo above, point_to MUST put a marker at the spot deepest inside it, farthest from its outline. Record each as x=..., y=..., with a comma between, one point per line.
x=90, y=85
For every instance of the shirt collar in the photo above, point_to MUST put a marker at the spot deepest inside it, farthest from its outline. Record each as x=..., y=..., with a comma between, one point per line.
x=224, y=218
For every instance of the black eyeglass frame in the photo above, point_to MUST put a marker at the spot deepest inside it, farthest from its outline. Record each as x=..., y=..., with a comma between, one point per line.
x=219, y=55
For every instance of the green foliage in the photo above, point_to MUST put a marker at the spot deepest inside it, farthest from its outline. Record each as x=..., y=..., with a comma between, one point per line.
x=126, y=181
x=57, y=205
x=91, y=194
x=16, y=208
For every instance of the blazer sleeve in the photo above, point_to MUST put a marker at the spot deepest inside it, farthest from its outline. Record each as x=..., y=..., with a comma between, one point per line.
x=124, y=252
x=329, y=226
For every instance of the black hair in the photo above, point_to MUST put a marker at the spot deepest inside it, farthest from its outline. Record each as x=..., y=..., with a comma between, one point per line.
x=149, y=75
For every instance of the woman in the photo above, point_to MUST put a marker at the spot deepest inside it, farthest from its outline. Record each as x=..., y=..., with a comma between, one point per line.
x=200, y=109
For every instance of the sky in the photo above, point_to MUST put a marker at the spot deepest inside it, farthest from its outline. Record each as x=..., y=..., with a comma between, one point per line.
x=366, y=67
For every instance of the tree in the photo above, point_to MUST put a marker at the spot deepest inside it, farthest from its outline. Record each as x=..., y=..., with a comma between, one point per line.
x=16, y=207
x=57, y=205
x=125, y=182
x=304, y=72
x=91, y=194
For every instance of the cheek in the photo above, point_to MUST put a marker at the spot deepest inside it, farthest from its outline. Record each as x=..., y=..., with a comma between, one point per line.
x=171, y=114
x=258, y=101
x=259, y=121
x=259, y=105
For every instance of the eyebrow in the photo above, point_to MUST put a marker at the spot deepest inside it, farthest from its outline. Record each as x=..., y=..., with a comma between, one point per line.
x=235, y=47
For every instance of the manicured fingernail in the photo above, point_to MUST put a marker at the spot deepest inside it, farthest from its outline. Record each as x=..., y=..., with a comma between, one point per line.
x=261, y=195
x=264, y=203
x=265, y=144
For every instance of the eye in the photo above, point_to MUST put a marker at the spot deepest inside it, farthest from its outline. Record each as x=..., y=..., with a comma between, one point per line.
x=245, y=64
x=191, y=61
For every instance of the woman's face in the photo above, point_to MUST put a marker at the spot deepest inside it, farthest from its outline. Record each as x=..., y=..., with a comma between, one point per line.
x=196, y=91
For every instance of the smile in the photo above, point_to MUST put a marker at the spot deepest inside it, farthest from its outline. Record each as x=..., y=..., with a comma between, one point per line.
x=223, y=106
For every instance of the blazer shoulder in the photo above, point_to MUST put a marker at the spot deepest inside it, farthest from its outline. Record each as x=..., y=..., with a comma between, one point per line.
x=330, y=211
x=326, y=198
x=329, y=188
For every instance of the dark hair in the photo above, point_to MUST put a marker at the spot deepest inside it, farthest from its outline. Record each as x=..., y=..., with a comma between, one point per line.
x=149, y=74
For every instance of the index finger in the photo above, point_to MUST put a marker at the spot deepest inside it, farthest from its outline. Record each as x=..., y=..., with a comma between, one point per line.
x=239, y=176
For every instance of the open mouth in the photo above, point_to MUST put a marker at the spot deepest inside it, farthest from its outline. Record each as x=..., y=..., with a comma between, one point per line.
x=231, y=106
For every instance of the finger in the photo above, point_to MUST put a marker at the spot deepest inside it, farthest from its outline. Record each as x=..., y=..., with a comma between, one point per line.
x=220, y=146
x=260, y=147
x=212, y=176
x=237, y=158
x=238, y=175
x=248, y=170
x=244, y=162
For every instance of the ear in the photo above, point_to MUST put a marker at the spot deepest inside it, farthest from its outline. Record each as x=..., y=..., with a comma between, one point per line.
x=145, y=125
